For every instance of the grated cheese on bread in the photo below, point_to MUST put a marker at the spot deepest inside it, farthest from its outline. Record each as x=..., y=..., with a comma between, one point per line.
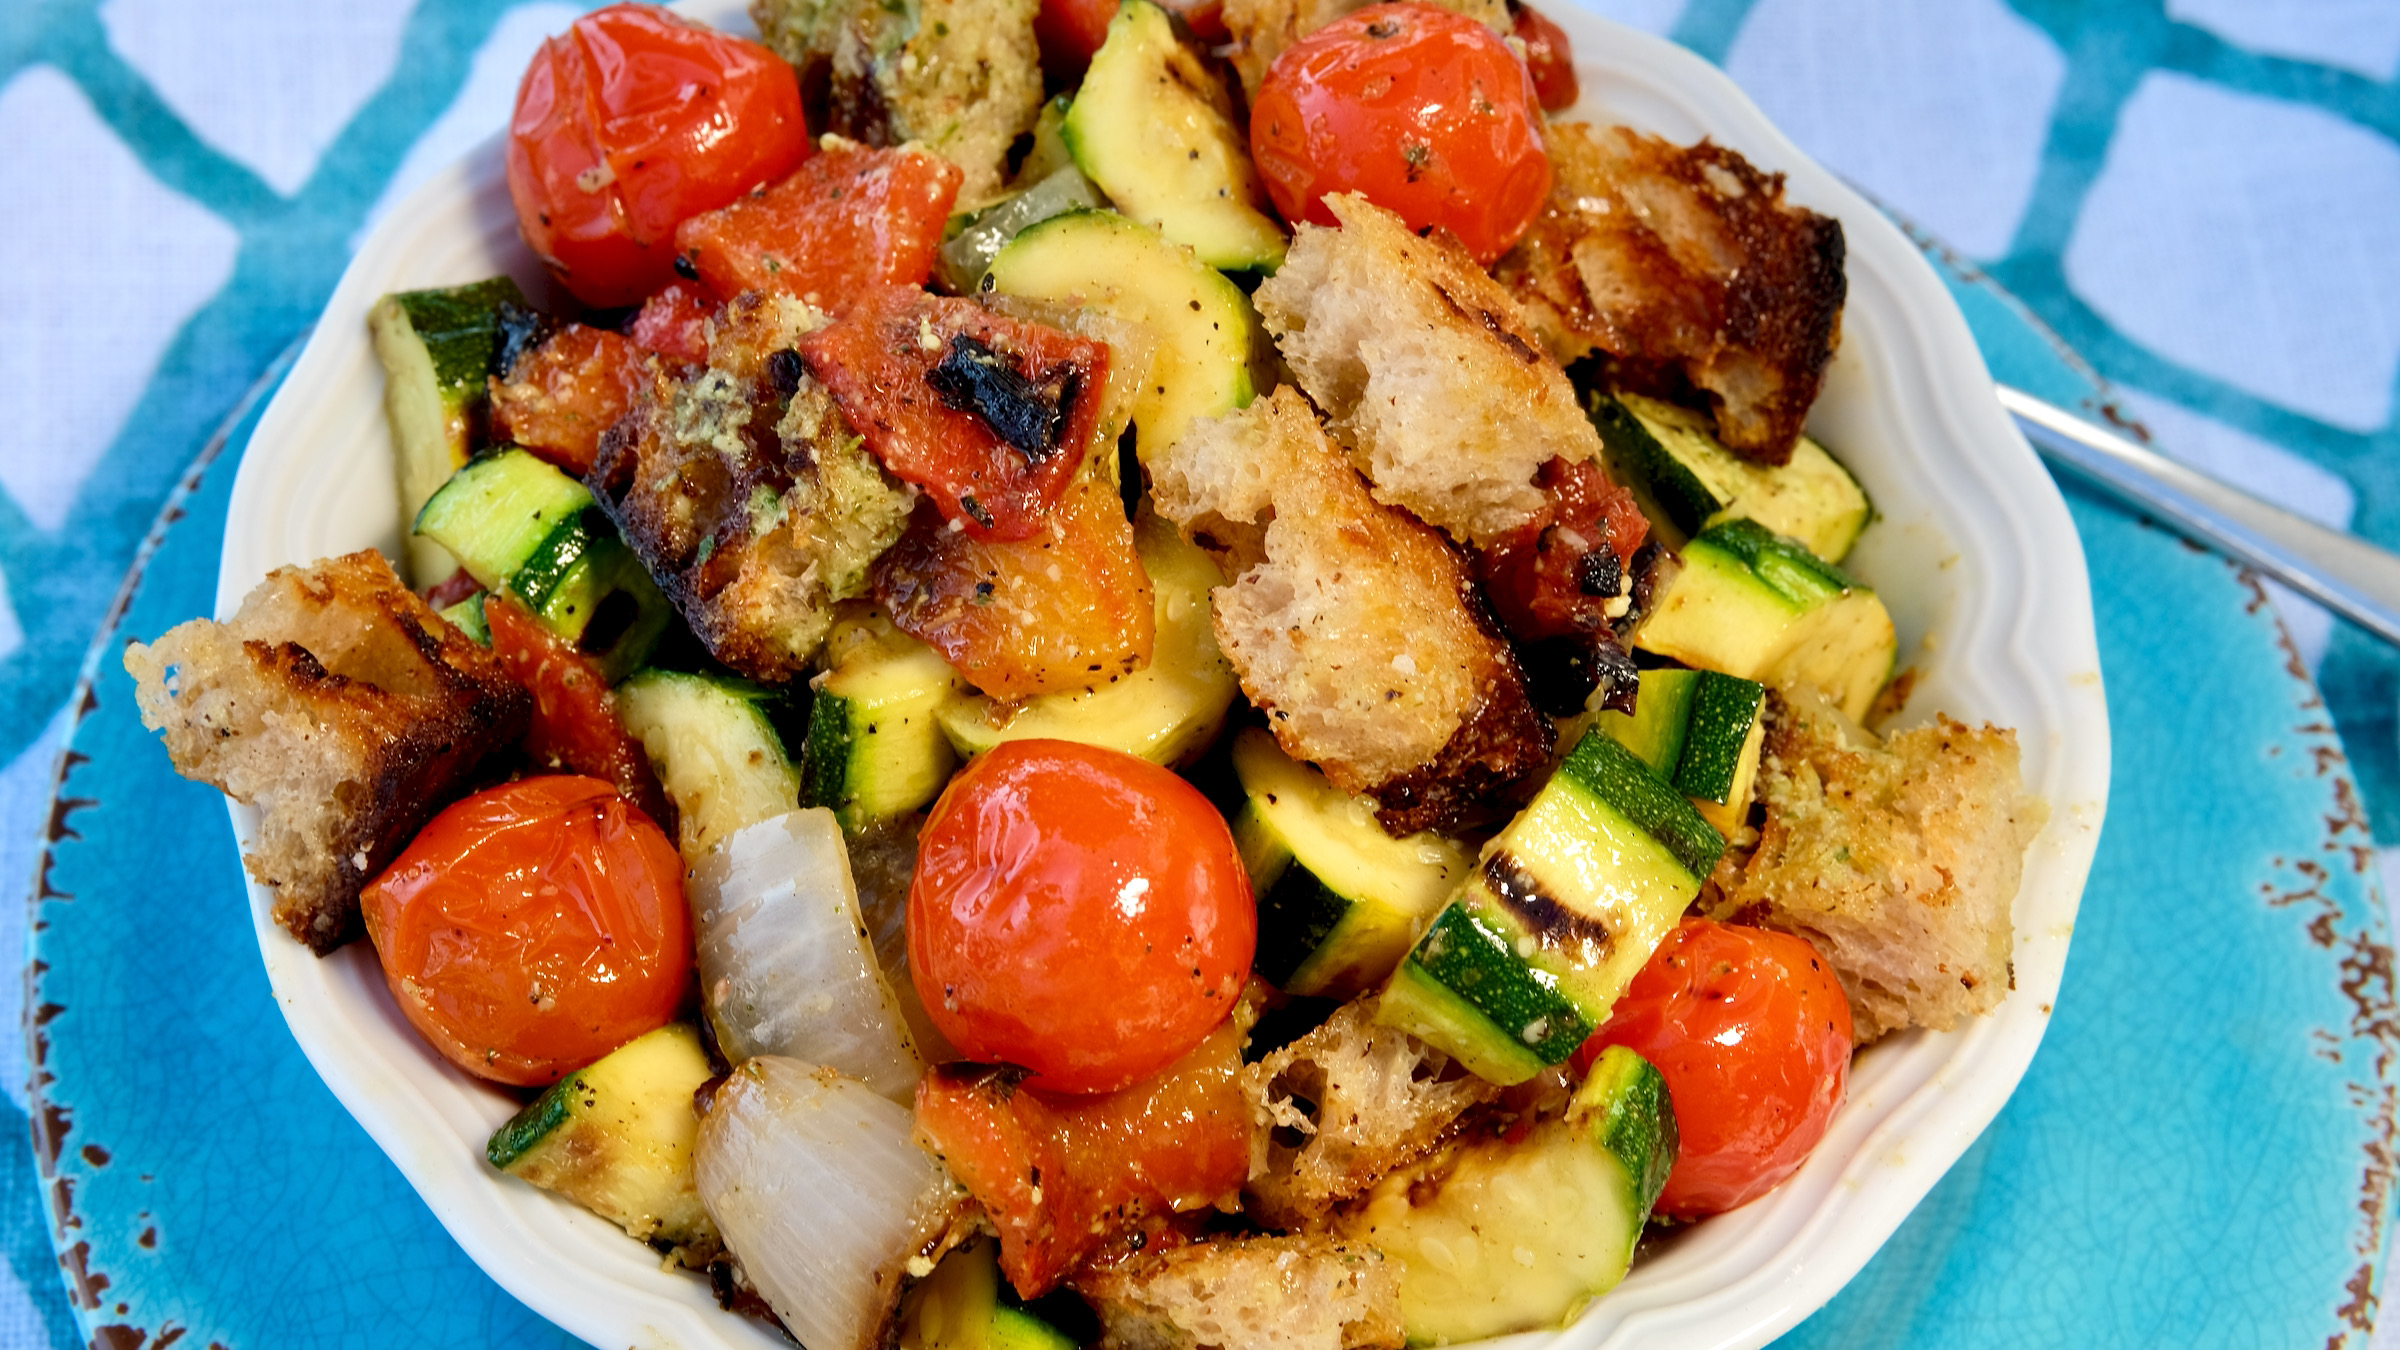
x=1352, y=626
x=961, y=78
x=1426, y=370
x=1343, y=1105
x=344, y=708
x=746, y=494
x=1249, y=1293
x=1899, y=861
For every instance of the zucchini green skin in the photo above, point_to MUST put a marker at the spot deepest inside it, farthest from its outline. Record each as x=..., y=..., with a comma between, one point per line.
x=717, y=745
x=1727, y=716
x=1339, y=901
x=1686, y=480
x=436, y=348
x=1144, y=128
x=515, y=521
x=1662, y=715
x=875, y=747
x=616, y=1137
x=1751, y=603
x=1500, y=1234
x=1568, y=903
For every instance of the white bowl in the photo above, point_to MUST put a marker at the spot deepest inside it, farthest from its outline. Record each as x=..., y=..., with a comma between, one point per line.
x=1974, y=554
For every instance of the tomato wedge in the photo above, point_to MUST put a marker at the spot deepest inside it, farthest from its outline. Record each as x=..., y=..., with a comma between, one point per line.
x=674, y=323
x=991, y=416
x=849, y=220
x=575, y=723
x=1061, y=1177
x=564, y=394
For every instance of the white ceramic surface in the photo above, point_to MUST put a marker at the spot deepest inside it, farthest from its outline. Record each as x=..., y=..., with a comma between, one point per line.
x=1974, y=553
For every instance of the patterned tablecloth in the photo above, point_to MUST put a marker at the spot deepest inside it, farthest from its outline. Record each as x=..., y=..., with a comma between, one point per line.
x=2203, y=196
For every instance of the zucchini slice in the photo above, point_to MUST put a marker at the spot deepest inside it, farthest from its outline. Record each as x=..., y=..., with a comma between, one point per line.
x=717, y=749
x=1752, y=603
x=1494, y=1236
x=514, y=520
x=617, y=1139
x=1566, y=904
x=1204, y=325
x=978, y=237
x=1687, y=480
x=436, y=348
x=1702, y=731
x=1154, y=127
x=875, y=745
x=1339, y=901
x=1167, y=712
x=963, y=1306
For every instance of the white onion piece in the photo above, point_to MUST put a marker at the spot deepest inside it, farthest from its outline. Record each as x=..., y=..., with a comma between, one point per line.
x=785, y=964
x=819, y=1191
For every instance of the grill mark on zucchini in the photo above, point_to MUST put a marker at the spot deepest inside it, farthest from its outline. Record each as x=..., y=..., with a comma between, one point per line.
x=1479, y=966
x=1522, y=894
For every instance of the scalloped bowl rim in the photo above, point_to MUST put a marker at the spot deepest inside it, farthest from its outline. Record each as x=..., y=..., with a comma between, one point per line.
x=1973, y=551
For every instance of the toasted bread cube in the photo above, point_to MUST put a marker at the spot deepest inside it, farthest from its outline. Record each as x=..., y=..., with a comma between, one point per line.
x=1426, y=371
x=344, y=708
x=1899, y=862
x=1688, y=268
x=1303, y=1292
x=1343, y=1105
x=1352, y=625
x=962, y=78
x=747, y=495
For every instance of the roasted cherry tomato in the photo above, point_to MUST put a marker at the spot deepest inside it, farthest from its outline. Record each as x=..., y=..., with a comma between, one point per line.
x=533, y=928
x=1078, y=912
x=1548, y=55
x=1425, y=112
x=631, y=121
x=1070, y=31
x=1752, y=1032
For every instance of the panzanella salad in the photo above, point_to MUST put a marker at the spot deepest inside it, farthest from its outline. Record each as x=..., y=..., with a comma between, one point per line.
x=1167, y=675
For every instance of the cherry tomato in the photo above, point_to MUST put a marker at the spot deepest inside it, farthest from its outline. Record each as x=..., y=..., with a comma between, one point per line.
x=631, y=121
x=1548, y=56
x=533, y=928
x=1752, y=1032
x=1425, y=112
x=1079, y=912
x=1070, y=31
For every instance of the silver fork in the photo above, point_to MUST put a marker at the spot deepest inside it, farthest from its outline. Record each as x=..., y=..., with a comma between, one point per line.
x=2346, y=574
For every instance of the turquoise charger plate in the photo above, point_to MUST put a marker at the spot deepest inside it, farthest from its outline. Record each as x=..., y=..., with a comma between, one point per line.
x=2201, y=1155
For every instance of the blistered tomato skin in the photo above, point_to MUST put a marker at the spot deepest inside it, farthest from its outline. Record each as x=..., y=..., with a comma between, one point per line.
x=1425, y=112
x=1078, y=912
x=1549, y=56
x=534, y=927
x=1752, y=1032
x=628, y=123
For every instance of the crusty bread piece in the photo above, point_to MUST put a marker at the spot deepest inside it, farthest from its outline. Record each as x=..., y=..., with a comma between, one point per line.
x=1688, y=268
x=1351, y=625
x=344, y=708
x=1899, y=861
x=1262, y=29
x=961, y=78
x=1341, y=1106
x=1426, y=370
x=746, y=494
x=1248, y=1293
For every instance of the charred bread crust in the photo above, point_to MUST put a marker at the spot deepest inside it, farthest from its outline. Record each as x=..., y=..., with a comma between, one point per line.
x=1688, y=270
x=746, y=494
x=1428, y=372
x=341, y=705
